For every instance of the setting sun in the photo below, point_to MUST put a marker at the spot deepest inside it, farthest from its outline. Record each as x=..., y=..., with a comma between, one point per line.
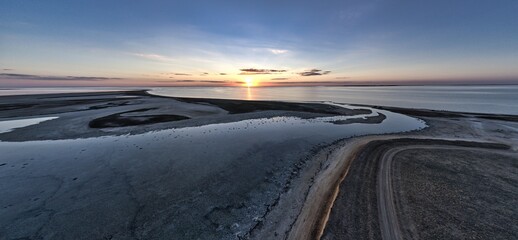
x=249, y=82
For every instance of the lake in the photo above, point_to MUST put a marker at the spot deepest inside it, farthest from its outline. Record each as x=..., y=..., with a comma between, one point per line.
x=498, y=99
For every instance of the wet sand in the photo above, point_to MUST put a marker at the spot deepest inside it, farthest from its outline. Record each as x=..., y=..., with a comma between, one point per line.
x=131, y=165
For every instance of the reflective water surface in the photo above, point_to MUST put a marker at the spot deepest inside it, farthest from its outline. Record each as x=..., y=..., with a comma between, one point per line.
x=500, y=99
x=9, y=125
x=477, y=99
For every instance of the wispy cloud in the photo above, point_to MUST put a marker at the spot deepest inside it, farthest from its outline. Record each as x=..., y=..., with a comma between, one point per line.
x=278, y=51
x=7, y=69
x=255, y=71
x=311, y=83
x=176, y=74
x=196, y=81
x=279, y=79
x=313, y=72
x=151, y=56
x=16, y=76
x=221, y=82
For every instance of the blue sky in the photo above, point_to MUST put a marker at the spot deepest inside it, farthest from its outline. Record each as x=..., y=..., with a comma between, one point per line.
x=49, y=43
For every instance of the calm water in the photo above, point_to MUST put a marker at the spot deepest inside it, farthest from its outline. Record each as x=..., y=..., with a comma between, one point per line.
x=7, y=126
x=478, y=99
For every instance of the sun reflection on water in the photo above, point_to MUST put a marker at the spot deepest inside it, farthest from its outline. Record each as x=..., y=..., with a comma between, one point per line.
x=249, y=93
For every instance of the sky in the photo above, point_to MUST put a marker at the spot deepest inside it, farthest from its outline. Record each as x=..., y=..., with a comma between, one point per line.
x=257, y=43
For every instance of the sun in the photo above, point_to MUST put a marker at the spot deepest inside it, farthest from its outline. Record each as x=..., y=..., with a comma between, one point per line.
x=249, y=82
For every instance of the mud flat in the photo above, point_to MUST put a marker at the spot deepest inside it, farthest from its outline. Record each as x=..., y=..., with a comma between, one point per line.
x=129, y=165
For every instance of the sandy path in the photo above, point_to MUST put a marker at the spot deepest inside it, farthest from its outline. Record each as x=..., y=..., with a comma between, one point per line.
x=389, y=224
x=315, y=213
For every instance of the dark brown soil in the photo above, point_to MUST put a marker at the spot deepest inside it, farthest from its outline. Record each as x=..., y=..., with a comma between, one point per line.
x=119, y=120
x=242, y=106
x=447, y=114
